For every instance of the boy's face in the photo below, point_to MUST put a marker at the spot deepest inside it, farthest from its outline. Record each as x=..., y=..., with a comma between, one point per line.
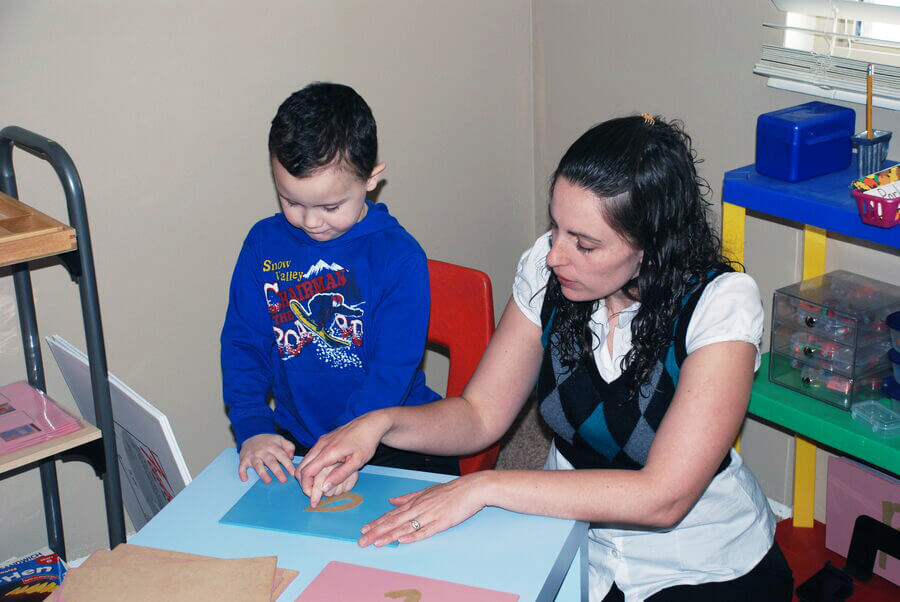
x=325, y=204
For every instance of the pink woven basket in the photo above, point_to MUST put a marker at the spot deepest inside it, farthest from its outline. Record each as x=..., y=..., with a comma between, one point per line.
x=877, y=211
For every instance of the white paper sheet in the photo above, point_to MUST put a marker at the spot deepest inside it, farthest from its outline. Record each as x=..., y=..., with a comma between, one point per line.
x=151, y=467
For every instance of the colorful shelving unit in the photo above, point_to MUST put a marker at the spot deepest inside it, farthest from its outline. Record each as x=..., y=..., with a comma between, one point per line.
x=819, y=205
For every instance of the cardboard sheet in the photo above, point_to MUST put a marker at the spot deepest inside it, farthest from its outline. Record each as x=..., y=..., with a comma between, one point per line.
x=216, y=580
x=127, y=555
x=284, y=507
x=354, y=583
x=131, y=554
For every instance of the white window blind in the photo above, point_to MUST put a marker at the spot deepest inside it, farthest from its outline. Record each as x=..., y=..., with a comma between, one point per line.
x=827, y=46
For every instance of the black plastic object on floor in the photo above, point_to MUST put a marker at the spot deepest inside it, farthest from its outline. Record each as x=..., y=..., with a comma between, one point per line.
x=869, y=536
x=830, y=584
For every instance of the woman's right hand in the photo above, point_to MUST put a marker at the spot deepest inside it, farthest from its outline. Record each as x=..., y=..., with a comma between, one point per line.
x=338, y=455
x=267, y=451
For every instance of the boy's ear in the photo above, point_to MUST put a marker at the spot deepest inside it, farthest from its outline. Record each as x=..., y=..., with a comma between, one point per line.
x=372, y=182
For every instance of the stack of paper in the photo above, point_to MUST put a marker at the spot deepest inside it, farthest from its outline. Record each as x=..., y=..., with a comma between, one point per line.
x=27, y=416
x=151, y=468
x=140, y=574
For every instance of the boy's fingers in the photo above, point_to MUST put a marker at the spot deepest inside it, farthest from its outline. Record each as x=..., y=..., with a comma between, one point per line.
x=260, y=469
x=274, y=464
x=279, y=474
x=299, y=481
x=311, y=470
x=344, y=486
x=315, y=497
x=285, y=460
x=321, y=484
x=289, y=468
x=306, y=481
x=341, y=472
x=318, y=489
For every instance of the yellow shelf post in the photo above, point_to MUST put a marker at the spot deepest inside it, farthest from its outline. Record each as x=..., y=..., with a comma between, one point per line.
x=733, y=227
x=805, y=451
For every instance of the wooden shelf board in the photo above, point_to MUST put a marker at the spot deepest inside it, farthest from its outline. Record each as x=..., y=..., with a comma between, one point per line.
x=34, y=453
x=26, y=233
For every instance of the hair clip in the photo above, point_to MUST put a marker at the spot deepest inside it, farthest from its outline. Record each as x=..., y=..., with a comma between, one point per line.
x=648, y=118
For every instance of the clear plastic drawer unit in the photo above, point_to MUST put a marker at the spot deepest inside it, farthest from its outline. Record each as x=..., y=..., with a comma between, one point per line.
x=830, y=339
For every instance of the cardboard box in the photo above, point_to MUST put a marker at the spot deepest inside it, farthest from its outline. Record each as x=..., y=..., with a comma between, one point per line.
x=854, y=489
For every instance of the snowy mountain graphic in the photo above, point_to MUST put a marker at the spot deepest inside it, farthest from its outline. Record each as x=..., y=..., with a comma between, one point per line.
x=322, y=265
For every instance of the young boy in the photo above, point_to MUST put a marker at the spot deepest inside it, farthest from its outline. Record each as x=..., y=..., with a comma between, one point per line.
x=329, y=299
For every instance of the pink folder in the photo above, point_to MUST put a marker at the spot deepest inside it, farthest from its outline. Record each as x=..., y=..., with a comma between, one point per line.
x=354, y=583
x=27, y=416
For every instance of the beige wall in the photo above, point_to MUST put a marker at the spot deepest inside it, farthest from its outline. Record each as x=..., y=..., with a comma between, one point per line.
x=691, y=60
x=165, y=106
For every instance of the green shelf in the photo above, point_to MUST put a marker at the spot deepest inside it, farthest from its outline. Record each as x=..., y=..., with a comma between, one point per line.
x=820, y=422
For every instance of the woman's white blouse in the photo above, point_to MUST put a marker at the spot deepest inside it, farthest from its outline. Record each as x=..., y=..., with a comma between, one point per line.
x=731, y=527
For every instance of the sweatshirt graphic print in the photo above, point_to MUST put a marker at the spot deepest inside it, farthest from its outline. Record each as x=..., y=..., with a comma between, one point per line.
x=316, y=310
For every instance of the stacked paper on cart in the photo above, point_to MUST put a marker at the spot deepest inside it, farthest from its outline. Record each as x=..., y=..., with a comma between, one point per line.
x=27, y=416
x=151, y=467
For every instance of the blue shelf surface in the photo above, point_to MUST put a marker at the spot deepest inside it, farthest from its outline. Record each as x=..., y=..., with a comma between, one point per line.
x=824, y=202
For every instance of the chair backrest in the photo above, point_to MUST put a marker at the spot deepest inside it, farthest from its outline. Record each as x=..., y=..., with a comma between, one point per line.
x=462, y=322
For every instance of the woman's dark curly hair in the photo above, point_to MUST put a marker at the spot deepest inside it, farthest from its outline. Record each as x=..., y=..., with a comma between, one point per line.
x=643, y=170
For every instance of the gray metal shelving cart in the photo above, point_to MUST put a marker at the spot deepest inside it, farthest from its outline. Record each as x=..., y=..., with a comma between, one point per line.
x=27, y=234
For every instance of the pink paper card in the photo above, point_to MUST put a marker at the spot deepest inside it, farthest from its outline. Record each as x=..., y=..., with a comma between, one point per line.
x=355, y=583
x=27, y=416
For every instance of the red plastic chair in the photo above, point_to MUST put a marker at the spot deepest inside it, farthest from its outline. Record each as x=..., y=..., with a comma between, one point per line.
x=462, y=322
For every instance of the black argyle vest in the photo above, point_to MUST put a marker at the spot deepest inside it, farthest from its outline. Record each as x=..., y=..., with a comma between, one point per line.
x=594, y=423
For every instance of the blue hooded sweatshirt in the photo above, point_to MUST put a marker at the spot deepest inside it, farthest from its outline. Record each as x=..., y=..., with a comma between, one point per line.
x=332, y=329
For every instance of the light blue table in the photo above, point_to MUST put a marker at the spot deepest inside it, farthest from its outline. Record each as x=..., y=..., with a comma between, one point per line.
x=539, y=558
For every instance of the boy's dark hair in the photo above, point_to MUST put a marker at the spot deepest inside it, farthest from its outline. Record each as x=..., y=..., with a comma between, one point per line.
x=322, y=124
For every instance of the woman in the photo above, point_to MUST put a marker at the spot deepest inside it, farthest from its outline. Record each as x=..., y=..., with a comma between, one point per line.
x=642, y=342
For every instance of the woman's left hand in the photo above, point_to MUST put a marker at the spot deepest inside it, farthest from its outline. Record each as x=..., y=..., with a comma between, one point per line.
x=434, y=510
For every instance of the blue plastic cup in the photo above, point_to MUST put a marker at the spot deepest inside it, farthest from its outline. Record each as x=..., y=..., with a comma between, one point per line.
x=871, y=152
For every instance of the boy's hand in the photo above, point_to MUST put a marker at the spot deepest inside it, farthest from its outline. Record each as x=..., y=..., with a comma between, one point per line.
x=344, y=450
x=267, y=451
x=317, y=490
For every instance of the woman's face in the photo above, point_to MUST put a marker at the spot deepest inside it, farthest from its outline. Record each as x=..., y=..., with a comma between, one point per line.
x=588, y=257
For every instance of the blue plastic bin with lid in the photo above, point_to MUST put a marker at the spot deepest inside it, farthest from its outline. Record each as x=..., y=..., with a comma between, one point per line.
x=805, y=141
